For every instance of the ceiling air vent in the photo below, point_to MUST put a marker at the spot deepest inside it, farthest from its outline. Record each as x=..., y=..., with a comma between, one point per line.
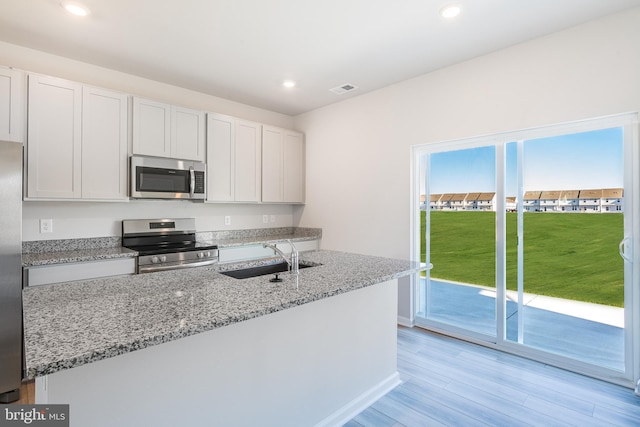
x=344, y=88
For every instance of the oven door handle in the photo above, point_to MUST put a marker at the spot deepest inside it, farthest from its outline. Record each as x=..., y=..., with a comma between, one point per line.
x=192, y=183
x=155, y=268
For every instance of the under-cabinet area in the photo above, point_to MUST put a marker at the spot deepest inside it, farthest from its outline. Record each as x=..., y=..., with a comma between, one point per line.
x=79, y=140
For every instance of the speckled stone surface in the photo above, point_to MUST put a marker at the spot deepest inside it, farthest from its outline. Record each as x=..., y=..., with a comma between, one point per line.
x=47, y=252
x=79, y=255
x=226, y=239
x=58, y=245
x=68, y=325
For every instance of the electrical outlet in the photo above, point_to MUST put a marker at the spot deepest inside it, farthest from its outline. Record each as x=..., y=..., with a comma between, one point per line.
x=265, y=219
x=227, y=220
x=273, y=218
x=46, y=226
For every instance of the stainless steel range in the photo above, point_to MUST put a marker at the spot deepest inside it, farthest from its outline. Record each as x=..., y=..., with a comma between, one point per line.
x=166, y=244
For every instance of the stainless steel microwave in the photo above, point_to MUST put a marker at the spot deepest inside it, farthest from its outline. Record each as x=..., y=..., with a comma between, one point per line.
x=159, y=178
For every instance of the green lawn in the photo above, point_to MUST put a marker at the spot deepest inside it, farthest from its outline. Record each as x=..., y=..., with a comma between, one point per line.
x=566, y=255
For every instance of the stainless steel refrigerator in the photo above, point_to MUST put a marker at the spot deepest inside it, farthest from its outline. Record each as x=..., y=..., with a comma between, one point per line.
x=10, y=270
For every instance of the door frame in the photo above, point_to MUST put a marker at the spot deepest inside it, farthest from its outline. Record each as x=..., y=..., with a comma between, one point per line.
x=630, y=124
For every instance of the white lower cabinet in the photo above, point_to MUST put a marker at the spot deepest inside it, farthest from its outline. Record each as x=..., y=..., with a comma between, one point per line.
x=58, y=273
x=234, y=154
x=77, y=143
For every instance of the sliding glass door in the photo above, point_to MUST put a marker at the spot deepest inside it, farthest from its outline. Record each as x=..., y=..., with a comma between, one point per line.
x=460, y=290
x=530, y=235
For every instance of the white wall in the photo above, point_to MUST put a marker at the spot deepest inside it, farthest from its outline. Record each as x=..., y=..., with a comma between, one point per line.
x=358, y=151
x=82, y=219
x=93, y=219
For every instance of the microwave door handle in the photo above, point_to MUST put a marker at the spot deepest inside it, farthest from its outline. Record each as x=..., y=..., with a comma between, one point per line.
x=192, y=184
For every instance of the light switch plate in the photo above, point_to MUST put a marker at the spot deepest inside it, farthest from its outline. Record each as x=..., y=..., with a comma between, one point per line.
x=227, y=220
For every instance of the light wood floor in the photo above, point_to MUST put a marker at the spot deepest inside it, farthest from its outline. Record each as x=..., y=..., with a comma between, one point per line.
x=447, y=382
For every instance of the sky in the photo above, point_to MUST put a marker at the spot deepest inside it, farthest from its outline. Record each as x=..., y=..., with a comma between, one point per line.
x=588, y=160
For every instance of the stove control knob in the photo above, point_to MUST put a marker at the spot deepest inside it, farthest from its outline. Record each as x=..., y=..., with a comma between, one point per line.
x=163, y=258
x=208, y=254
x=154, y=260
x=200, y=254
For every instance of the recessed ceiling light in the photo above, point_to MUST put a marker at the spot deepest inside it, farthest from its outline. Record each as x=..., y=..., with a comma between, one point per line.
x=289, y=83
x=450, y=11
x=75, y=8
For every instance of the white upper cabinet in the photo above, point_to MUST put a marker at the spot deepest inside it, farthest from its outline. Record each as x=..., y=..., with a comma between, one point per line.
x=151, y=128
x=77, y=145
x=283, y=166
x=293, y=165
x=13, y=93
x=220, y=143
x=248, y=156
x=233, y=159
x=187, y=134
x=272, y=160
x=104, y=144
x=55, y=130
x=163, y=130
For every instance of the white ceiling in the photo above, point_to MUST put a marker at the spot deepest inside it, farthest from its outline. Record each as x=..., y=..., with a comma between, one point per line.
x=243, y=49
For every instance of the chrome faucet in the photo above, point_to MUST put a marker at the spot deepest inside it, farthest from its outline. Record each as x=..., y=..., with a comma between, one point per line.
x=292, y=262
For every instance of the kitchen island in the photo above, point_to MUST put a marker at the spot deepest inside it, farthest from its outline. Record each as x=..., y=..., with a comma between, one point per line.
x=195, y=347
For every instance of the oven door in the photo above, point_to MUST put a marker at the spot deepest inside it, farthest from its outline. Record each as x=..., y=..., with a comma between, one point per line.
x=155, y=178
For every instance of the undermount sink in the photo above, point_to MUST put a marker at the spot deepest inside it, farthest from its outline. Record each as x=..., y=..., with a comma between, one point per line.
x=263, y=270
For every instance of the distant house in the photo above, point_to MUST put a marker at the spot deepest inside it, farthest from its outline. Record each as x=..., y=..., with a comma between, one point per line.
x=550, y=201
x=487, y=202
x=471, y=202
x=457, y=201
x=589, y=200
x=445, y=202
x=433, y=202
x=531, y=201
x=569, y=201
x=612, y=200
x=606, y=200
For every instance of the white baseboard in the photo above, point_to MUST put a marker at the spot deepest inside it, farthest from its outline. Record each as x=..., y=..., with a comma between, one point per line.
x=362, y=402
x=405, y=321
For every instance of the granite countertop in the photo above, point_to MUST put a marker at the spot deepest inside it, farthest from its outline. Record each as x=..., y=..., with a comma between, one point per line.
x=81, y=250
x=77, y=255
x=71, y=324
x=256, y=240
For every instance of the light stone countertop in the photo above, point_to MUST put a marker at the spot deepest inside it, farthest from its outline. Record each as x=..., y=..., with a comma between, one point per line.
x=83, y=250
x=78, y=255
x=71, y=324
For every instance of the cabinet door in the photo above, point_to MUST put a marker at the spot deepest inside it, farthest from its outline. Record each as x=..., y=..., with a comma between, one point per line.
x=220, y=138
x=272, y=164
x=293, y=167
x=53, y=148
x=151, y=128
x=104, y=144
x=12, y=105
x=247, y=161
x=187, y=134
